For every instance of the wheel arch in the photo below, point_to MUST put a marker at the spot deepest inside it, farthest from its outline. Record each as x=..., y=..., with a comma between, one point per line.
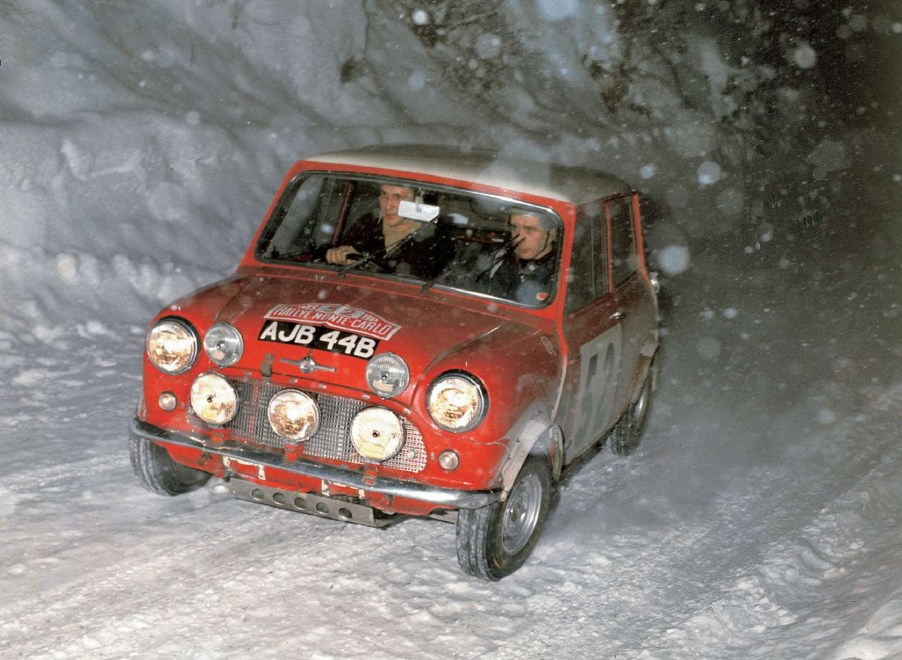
x=535, y=434
x=648, y=364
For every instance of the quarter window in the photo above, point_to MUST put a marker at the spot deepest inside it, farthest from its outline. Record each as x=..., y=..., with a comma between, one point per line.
x=623, y=239
x=587, y=279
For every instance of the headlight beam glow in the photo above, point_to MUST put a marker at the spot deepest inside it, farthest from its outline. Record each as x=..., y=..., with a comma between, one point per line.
x=171, y=346
x=456, y=402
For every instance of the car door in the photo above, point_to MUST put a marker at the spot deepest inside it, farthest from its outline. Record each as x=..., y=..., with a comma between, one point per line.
x=593, y=334
x=635, y=303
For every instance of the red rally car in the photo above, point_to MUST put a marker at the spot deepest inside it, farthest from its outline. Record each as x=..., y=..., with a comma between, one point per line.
x=414, y=331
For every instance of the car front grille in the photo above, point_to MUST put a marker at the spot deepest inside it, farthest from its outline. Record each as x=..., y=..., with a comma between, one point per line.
x=331, y=440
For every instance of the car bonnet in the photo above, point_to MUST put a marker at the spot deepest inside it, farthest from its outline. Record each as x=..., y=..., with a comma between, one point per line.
x=419, y=327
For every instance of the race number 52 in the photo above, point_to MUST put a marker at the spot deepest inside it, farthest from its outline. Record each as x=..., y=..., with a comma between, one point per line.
x=599, y=362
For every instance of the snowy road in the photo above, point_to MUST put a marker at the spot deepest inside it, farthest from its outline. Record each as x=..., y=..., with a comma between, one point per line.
x=759, y=519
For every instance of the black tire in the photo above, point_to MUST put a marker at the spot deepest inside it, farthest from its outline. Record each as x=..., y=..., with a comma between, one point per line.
x=158, y=473
x=494, y=541
x=627, y=433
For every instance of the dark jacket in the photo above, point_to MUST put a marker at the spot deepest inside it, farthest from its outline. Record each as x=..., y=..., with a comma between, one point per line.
x=423, y=254
x=527, y=281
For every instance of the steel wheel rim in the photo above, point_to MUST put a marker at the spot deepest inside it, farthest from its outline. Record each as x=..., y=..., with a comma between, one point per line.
x=641, y=405
x=521, y=514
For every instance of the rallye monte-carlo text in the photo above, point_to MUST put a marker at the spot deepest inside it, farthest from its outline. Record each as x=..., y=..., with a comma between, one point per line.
x=414, y=331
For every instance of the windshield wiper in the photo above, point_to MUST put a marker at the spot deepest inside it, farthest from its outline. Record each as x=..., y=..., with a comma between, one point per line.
x=360, y=260
x=461, y=266
x=456, y=269
x=386, y=251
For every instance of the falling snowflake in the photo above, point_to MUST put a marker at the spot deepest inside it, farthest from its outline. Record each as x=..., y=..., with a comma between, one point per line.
x=804, y=56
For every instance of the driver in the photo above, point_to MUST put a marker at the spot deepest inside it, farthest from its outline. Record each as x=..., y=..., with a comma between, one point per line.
x=424, y=256
x=524, y=270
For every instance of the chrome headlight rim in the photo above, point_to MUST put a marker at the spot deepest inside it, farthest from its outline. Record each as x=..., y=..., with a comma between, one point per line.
x=313, y=408
x=475, y=387
x=182, y=325
x=226, y=333
x=376, y=371
x=221, y=381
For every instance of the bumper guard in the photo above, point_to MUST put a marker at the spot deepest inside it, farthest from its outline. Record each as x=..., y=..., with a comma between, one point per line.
x=461, y=499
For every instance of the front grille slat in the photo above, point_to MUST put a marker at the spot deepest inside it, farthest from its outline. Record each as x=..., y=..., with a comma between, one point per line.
x=331, y=440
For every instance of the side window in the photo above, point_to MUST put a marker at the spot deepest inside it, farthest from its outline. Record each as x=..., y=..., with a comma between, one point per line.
x=623, y=239
x=587, y=279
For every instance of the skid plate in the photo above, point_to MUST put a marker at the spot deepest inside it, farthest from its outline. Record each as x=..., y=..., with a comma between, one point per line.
x=317, y=505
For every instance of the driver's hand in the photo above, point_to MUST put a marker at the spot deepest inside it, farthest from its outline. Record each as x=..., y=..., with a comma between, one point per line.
x=339, y=255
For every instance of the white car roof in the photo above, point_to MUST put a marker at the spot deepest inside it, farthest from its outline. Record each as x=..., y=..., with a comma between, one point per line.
x=576, y=185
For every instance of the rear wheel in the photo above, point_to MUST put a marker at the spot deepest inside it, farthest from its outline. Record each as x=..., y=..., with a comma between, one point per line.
x=158, y=473
x=496, y=540
x=627, y=433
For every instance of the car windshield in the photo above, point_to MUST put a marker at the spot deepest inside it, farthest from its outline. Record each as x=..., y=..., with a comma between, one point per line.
x=442, y=237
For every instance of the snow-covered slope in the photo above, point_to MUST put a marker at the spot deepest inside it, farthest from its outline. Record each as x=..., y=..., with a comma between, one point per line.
x=139, y=149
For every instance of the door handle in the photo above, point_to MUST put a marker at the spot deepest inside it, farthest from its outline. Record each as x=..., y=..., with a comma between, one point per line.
x=618, y=315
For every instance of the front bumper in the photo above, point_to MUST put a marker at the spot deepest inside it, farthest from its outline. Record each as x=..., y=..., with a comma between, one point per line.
x=461, y=499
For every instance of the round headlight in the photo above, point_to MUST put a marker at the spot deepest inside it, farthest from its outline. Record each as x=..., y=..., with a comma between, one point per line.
x=387, y=375
x=377, y=433
x=213, y=399
x=171, y=346
x=223, y=344
x=293, y=415
x=456, y=402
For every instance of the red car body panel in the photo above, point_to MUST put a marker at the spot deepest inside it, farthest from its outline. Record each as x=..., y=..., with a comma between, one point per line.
x=429, y=348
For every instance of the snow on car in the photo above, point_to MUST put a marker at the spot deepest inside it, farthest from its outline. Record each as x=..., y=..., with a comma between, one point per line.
x=413, y=331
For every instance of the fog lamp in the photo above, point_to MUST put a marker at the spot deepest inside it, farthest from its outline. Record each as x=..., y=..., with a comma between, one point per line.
x=377, y=433
x=387, y=375
x=223, y=344
x=293, y=415
x=213, y=399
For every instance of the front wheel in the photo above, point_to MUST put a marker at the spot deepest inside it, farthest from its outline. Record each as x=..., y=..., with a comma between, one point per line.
x=158, y=473
x=496, y=540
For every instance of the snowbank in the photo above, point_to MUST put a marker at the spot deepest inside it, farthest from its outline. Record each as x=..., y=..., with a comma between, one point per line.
x=163, y=134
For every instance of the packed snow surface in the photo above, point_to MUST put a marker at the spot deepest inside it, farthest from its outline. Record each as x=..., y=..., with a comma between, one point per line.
x=141, y=147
